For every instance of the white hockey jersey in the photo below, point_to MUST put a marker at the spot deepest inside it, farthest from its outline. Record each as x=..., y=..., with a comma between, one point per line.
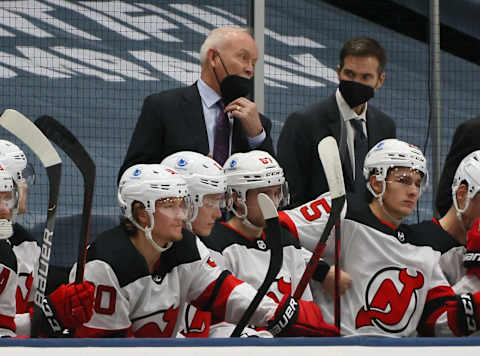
x=248, y=259
x=131, y=301
x=430, y=233
x=8, y=287
x=397, y=287
x=27, y=252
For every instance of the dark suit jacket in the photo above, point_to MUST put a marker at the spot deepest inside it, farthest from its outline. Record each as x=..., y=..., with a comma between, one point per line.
x=300, y=135
x=465, y=140
x=173, y=121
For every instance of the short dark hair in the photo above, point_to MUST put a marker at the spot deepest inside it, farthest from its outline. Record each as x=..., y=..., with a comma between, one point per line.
x=364, y=47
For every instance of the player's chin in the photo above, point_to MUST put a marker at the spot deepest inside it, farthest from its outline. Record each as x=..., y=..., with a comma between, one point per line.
x=406, y=210
x=177, y=234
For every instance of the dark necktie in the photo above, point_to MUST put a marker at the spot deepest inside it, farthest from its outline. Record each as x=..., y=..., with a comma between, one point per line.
x=222, y=136
x=360, y=149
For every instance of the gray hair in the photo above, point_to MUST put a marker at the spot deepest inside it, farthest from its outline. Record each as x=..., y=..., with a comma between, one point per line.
x=217, y=39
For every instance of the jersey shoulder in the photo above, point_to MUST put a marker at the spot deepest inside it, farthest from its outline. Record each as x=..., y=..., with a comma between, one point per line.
x=21, y=235
x=115, y=249
x=429, y=233
x=7, y=256
x=223, y=236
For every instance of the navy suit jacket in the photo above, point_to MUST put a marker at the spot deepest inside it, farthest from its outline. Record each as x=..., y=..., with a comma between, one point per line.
x=300, y=135
x=173, y=121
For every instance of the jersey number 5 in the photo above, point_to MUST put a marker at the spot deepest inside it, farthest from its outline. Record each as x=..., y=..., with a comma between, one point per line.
x=312, y=212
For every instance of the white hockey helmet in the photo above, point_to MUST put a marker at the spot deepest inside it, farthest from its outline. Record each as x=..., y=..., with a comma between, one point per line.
x=147, y=183
x=251, y=170
x=203, y=175
x=390, y=153
x=468, y=171
x=7, y=185
x=12, y=159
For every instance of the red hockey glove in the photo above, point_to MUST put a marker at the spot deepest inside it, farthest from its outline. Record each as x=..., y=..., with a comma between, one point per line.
x=299, y=318
x=471, y=259
x=69, y=306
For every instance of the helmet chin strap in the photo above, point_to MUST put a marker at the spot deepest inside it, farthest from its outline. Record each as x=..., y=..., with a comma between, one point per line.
x=258, y=229
x=459, y=212
x=6, y=229
x=243, y=217
x=379, y=198
x=148, y=234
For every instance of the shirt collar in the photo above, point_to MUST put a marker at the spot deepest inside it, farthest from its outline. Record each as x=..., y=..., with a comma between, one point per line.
x=346, y=111
x=208, y=95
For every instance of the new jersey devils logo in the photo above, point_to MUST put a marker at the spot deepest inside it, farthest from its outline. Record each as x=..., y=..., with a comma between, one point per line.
x=390, y=299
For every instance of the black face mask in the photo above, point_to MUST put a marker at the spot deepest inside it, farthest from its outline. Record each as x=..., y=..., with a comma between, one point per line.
x=233, y=86
x=355, y=93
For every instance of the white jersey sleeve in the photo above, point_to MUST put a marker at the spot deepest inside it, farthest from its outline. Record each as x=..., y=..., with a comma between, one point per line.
x=8, y=287
x=451, y=263
x=307, y=222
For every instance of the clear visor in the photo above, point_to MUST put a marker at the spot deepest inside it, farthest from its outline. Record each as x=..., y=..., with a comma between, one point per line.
x=280, y=197
x=8, y=200
x=214, y=201
x=408, y=178
x=174, y=208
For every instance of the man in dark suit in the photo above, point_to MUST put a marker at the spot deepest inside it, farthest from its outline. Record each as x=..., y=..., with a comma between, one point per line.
x=195, y=118
x=356, y=125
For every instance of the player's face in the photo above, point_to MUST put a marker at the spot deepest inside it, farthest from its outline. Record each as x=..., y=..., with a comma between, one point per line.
x=472, y=213
x=362, y=70
x=6, y=205
x=239, y=55
x=208, y=213
x=402, y=192
x=254, y=213
x=169, y=217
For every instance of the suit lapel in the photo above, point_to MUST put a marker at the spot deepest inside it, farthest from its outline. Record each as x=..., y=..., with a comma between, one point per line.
x=192, y=110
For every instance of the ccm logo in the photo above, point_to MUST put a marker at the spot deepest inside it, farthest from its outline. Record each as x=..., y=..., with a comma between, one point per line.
x=471, y=257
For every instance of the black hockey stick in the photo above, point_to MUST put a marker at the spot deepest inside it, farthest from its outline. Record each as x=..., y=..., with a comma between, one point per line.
x=330, y=157
x=64, y=139
x=337, y=275
x=27, y=132
x=274, y=243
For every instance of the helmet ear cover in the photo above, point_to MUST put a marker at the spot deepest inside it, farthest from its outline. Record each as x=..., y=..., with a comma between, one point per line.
x=468, y=173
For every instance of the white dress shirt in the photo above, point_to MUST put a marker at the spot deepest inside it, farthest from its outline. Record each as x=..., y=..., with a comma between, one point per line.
x=211, y=111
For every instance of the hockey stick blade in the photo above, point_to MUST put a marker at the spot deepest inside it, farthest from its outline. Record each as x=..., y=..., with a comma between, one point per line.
x=27, y=132
x=64, y=139
x=330, y=158
x=274, y=243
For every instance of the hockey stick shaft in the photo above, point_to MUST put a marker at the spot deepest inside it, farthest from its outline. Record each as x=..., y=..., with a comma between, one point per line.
x=337, y=275
x=27, y=132
x=65, y=139
x=273, y=235
x=330, y=158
